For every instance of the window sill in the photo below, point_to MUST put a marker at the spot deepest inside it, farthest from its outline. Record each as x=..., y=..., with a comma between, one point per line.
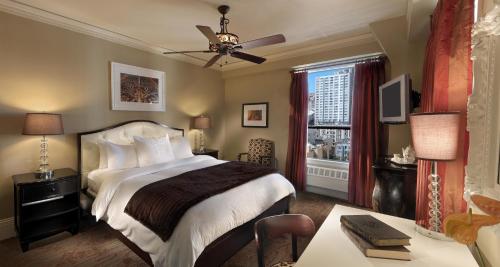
x=328, y=163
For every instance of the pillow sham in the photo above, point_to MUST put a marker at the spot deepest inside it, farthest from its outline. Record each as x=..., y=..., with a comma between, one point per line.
x=120, y=156
x=153, y=150
x=181, y=147
x=103, y=157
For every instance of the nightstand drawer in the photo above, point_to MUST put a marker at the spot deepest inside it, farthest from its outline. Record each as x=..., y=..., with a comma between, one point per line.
x=48, y=190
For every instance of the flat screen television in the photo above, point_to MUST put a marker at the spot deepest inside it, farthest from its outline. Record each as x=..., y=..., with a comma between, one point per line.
x=394, y=100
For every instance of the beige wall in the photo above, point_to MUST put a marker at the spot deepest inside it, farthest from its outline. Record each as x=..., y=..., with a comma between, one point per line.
x=45, y=68
x=272, y=87
x=484, y=6
x=405, y=57
x=270, y=83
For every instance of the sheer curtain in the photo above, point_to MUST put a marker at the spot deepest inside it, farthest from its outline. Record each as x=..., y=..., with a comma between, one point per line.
x=297, y=131
x=368, y=135
x=447, y=83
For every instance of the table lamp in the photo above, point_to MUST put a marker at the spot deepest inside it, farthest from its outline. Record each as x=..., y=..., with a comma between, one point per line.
x=43, y=124
x=435, y=138
x=202, y=122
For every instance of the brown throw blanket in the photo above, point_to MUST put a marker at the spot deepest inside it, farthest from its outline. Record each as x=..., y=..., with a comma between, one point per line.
x=160, y=205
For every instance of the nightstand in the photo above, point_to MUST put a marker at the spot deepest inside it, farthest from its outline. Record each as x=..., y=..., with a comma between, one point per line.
x=210, y=152
x=46, y=207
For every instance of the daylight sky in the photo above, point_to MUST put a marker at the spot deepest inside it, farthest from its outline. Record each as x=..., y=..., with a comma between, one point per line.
x=312, y=78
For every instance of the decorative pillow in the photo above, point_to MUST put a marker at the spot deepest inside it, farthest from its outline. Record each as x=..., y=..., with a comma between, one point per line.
x=120, y=156
x=181, y=147
x=103, y=157
x=153, y=150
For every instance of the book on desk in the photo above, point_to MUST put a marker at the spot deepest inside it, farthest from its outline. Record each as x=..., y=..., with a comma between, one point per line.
x=375, y=238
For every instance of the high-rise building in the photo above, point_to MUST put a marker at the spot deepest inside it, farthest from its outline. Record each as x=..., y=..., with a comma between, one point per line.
x=333, y=92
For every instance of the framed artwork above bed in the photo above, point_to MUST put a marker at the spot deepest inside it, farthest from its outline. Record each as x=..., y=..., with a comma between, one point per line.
x=255, y=115
x=137, y=89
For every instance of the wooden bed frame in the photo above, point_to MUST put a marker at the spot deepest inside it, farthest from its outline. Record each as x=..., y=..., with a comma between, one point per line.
x=220, y=250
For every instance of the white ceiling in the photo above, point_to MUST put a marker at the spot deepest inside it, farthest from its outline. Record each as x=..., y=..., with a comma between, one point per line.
x=170, y=24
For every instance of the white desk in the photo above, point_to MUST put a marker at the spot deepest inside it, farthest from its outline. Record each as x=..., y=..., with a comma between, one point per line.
x=331, y=247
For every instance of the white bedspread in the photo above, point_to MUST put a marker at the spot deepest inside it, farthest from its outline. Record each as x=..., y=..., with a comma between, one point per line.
x=200, y=225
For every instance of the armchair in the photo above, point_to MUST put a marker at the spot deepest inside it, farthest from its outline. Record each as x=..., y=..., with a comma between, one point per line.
x=260, y=151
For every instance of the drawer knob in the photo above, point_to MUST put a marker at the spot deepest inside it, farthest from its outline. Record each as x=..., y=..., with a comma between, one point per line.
x=53, y=188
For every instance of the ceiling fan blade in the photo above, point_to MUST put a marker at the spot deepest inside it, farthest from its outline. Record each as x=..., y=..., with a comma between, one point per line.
x=212, y=60
x=207, y=31
x=269, y=40
x=248, y=57
x=184, y=52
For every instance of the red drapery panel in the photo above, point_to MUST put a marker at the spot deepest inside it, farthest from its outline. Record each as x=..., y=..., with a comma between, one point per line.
x=368, y=136
x=447, y=82
x=297, y=131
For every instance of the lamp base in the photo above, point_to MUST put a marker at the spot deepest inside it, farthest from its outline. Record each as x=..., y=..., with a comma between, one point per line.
x=45, y=174
x=432, y=234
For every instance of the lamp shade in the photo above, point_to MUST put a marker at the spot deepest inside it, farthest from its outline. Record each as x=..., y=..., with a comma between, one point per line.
x=435, y=135
x=201, y=122
x=43, y=124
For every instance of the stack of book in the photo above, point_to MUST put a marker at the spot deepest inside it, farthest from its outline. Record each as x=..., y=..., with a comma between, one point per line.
x=375, y=238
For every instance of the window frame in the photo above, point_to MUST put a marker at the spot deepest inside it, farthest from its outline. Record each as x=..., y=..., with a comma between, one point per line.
x=332, y=127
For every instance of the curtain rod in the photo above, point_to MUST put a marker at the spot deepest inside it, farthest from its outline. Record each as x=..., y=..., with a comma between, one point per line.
x=341, y=61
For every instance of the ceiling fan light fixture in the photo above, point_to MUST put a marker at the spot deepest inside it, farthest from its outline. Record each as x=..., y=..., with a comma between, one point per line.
x=225, y=43
x=228, y=38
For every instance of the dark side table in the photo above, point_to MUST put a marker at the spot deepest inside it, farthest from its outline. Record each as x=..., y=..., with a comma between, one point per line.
x=44, y=207
x=395, y=189
x=210, y=152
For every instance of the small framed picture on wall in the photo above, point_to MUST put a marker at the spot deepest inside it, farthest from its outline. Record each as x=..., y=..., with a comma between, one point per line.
x=255, y=115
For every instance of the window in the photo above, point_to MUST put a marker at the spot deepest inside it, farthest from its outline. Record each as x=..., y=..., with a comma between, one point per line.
x=329, y=112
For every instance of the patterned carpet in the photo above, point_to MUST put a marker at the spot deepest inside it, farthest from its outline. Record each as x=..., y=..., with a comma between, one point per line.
x=96, y=246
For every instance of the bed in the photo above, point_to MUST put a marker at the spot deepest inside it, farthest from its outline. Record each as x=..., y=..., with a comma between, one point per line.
x=209, y=232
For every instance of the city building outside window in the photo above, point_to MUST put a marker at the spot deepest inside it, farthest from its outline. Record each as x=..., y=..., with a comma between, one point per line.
x=329, y=113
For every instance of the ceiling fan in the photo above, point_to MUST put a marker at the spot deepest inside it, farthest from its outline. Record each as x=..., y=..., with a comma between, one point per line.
x=226, y=43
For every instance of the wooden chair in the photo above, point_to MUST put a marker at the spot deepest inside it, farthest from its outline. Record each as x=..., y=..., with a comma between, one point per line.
x=260, y=151
x=279, y=225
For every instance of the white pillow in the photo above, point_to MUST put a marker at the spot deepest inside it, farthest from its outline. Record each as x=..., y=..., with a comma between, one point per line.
x=181, y=147
x=120, y=156
x=103, y=157
x=153, y=150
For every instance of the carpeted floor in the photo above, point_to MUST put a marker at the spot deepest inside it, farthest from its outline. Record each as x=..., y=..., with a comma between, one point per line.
x=96, y=246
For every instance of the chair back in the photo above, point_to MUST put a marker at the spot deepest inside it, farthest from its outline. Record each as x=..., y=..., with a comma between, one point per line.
x=279, y=225
x=261, y=151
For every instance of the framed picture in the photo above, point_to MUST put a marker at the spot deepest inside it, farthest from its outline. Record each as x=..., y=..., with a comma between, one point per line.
x=137, y=89
x=255, y=115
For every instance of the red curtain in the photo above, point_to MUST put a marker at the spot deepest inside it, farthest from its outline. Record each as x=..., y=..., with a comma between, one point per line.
x=368, y=136
x=297, y=131
x=447, y=83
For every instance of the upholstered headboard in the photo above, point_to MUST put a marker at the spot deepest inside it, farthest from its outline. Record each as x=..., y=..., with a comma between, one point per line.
x=123, y=133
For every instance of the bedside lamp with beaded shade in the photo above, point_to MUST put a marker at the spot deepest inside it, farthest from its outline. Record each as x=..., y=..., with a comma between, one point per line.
x=435, y=138
x=202, y=122
x=43, y=124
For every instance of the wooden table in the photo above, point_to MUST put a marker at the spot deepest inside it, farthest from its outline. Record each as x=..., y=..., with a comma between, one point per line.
x=331, y=247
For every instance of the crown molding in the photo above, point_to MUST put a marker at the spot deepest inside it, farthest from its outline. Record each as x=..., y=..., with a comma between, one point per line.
x=30, y=12
x=47, y=17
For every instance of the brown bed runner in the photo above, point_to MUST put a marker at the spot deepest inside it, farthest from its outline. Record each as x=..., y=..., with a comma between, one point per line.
x=160, y=205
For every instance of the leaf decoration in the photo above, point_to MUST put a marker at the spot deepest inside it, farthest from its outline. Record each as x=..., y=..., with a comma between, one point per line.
x=463, y=227
x=488, y=205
